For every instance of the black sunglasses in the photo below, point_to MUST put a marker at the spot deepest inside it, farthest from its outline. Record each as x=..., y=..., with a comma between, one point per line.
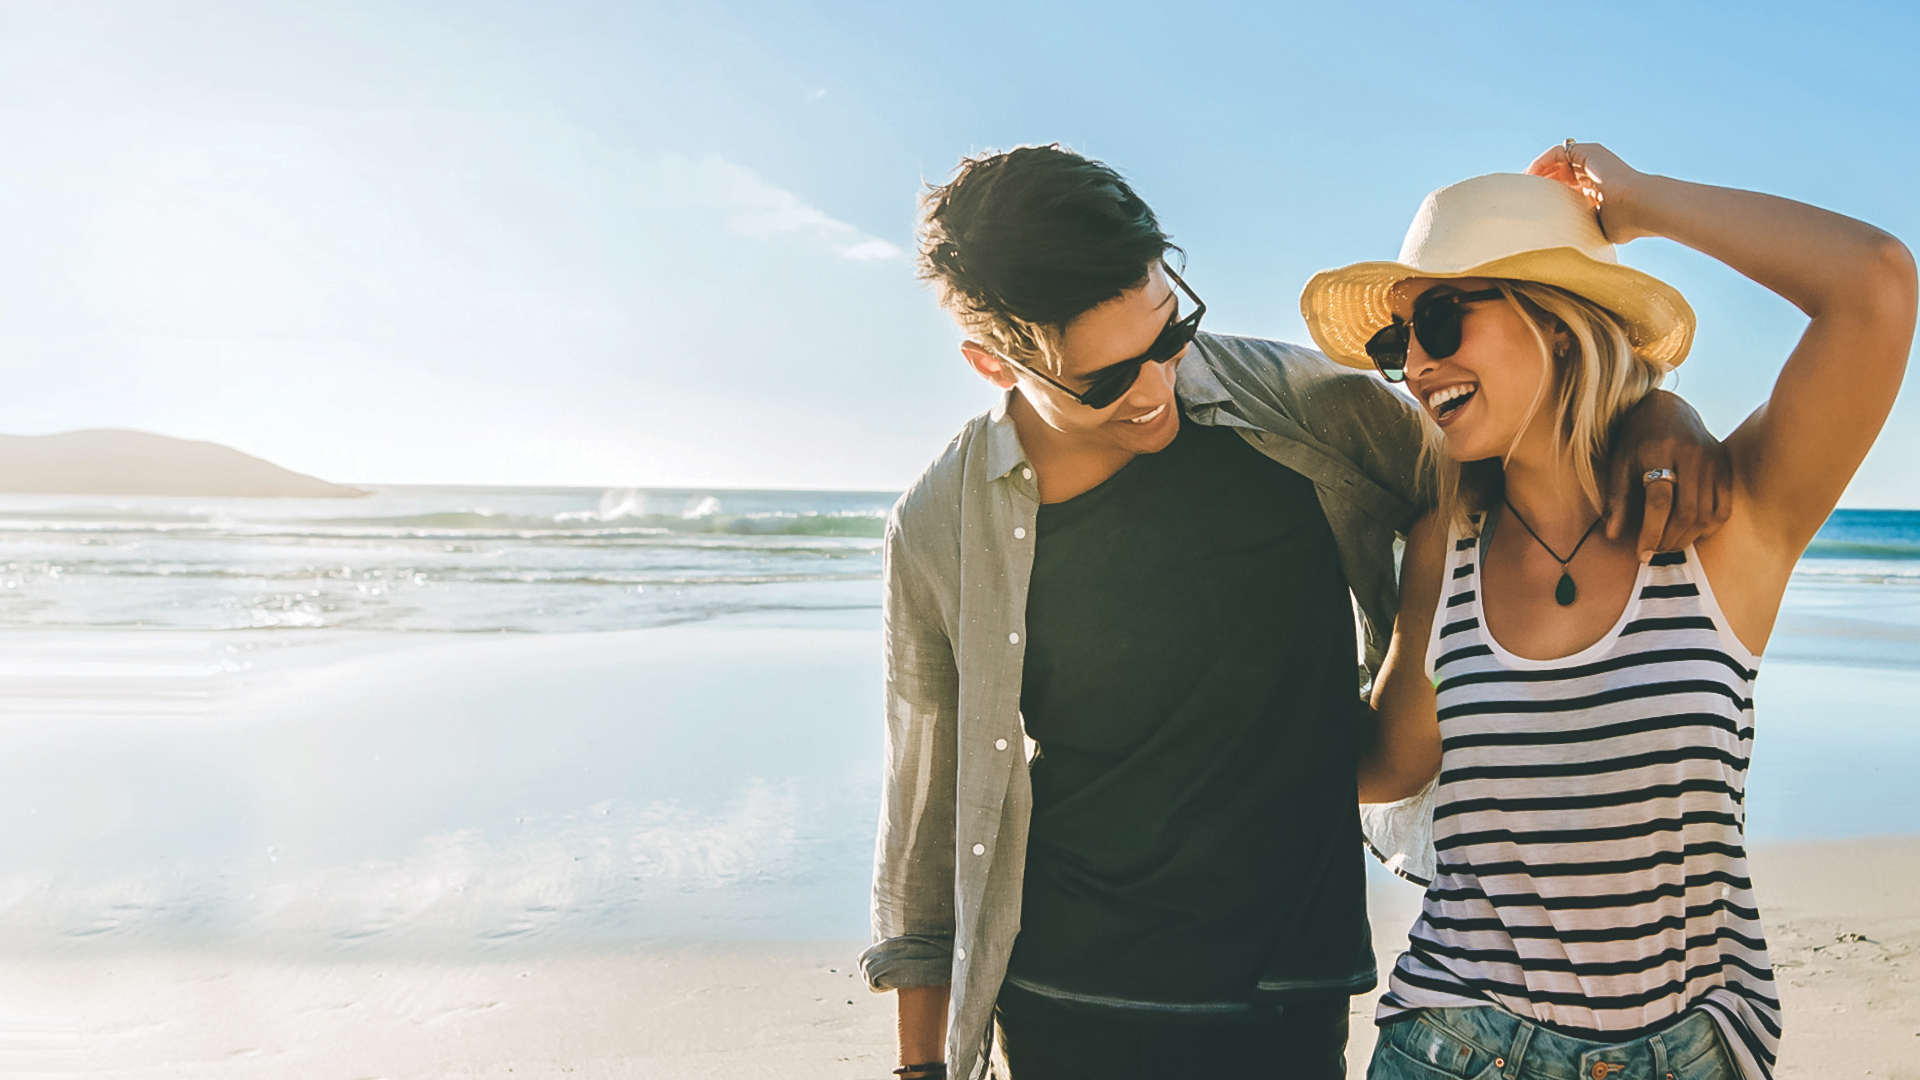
x=1105, y=386
x=1436, y=321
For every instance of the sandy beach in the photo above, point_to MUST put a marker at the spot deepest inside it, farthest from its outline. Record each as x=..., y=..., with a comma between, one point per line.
x=1843, y=925
x=785, y=1010
x=639, y=853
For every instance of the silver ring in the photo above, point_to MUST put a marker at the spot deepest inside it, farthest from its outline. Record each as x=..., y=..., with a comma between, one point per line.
x=1651, y=475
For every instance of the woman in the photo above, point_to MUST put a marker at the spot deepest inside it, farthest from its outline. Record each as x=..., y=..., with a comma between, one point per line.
x=1588, y=706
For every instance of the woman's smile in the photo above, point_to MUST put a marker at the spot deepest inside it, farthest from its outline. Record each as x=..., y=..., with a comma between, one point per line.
x=1444, y=404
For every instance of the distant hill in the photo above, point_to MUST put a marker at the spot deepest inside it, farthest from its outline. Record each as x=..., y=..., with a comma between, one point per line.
x=107, y=461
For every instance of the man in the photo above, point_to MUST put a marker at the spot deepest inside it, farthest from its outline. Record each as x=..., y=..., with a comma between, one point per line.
x=1119, y=822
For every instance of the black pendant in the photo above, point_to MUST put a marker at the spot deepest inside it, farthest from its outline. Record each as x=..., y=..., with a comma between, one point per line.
x=1565, y=592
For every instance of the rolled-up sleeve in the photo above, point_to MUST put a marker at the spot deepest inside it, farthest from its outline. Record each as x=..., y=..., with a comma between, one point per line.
x=908, y=960
x=913, y=869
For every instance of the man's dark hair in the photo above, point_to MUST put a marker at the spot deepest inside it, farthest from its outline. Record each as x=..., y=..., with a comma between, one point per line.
x=1020, y=243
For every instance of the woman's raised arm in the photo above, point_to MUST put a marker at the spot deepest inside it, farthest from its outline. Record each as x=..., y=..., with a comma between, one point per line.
x=1794, y=456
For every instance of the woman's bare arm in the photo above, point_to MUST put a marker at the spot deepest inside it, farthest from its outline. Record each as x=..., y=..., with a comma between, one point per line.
x=1794, y=456
x=1405, y=752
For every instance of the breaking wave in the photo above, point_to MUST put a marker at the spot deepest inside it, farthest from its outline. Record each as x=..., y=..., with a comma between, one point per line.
x=453, y=559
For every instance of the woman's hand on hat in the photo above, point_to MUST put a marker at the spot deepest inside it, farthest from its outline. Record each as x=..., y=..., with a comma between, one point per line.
x=1598, y=173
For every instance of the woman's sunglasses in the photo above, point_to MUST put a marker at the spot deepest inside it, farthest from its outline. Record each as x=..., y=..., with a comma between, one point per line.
x=1107, y=385
x=1436, y=322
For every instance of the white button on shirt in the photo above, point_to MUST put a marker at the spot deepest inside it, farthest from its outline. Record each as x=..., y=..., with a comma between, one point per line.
x=1026, y=474
x=1019, y=534
x=999, y=744
x=1013, y=639
x=979, y=849
x=959, y=954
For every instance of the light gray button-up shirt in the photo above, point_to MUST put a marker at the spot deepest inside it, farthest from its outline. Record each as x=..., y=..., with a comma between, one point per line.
x=952, y=845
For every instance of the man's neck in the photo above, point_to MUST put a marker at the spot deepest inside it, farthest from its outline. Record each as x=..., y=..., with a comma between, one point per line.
x=1063, y=466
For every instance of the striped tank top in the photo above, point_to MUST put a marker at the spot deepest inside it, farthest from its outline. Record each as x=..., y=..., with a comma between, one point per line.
x=1588, y=824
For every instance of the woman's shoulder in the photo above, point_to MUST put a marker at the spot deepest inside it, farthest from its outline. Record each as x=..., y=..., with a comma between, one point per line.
x=1432, y=535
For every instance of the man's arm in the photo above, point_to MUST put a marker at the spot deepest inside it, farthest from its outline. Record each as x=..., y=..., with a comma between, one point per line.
x=923, y=1024
x=913, y=858
x=1378, y=430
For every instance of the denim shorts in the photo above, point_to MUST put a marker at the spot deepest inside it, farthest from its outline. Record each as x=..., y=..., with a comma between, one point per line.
x=1492, y=1044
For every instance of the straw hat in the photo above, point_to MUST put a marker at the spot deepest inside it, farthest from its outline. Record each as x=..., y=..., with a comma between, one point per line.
x=1503, y=225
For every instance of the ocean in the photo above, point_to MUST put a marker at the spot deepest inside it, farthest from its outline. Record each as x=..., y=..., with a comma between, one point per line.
x=548, y=560
x=447, y=559
x=370, y=725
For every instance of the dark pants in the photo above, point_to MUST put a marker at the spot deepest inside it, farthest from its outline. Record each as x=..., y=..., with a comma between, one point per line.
x=1042, y=1041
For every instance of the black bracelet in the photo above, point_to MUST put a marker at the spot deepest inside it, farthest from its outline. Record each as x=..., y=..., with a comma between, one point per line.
x=932, y=1070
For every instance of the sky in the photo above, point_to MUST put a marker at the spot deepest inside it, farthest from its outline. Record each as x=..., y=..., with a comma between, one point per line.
x=669, y=244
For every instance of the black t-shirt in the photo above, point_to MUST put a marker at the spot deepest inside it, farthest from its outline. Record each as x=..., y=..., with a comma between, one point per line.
x=1190, y=680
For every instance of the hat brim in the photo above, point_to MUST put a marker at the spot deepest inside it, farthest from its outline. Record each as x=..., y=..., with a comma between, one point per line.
x=1346, y=307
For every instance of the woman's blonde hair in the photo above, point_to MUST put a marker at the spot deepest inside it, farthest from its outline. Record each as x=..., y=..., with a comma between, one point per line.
x=1594, y=382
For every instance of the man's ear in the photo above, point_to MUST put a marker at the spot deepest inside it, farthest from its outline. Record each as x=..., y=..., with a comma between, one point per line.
x=991, y=367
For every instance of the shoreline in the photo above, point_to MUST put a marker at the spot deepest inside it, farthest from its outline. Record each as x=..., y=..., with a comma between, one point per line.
x=466, y=791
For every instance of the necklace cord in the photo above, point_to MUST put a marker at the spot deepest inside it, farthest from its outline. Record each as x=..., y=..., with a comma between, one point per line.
x=1536, y=536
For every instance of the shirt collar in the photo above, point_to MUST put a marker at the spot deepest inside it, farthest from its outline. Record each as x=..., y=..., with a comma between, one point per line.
x=1003, y=443
x=1197, y=383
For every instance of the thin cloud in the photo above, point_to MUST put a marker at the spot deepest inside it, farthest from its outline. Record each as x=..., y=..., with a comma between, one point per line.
x=758, y=209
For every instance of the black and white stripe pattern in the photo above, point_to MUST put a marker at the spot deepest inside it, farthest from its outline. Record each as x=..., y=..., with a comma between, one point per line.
x=1588, y=821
